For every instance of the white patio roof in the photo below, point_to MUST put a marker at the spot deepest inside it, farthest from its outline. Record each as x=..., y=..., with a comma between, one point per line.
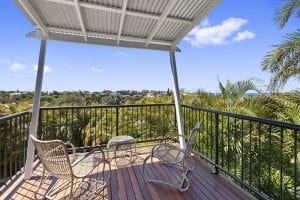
x=148, y=24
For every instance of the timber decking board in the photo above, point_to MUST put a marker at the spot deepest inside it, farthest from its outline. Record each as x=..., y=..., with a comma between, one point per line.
x=128, y=183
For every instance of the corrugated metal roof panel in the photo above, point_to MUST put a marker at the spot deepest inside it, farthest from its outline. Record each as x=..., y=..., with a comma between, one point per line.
x=56, y=14
x=149, y=6
x=169, y=30
x=188, y=9
x=166, y=21
x=114, y=3
x=137, y=26
x=101, y=21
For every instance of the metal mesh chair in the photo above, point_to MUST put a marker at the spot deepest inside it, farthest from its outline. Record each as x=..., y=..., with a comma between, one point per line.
x=174, y=157
x=57, y=161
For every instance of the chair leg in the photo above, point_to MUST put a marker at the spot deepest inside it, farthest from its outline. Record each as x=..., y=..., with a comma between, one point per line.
x=40, y=184
x=143, y=168
x=71, y=189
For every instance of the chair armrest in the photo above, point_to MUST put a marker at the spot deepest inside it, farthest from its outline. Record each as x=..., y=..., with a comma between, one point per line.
x=72, y=146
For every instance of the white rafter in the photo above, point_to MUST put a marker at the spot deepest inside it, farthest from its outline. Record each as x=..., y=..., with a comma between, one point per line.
x=119, y=10
x=122, y=20
x=163, y=16
x=33, y=15
x=79, y=14
x=104, y=35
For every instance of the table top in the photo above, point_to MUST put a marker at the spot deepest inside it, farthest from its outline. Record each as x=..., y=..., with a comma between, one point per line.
x=119, y=140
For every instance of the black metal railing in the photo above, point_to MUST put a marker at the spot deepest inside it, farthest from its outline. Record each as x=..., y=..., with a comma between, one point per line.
x=14, y=130
x=91, y=126
x=259, y=154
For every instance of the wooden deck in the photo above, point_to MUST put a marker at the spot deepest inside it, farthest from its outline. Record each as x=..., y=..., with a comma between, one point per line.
x=127, y=183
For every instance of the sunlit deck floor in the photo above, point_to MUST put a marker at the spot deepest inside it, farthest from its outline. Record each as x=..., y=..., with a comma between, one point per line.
x=127, y=183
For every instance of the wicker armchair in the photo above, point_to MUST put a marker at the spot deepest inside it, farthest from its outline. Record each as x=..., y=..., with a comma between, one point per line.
x=173, y=156
x=57, y=161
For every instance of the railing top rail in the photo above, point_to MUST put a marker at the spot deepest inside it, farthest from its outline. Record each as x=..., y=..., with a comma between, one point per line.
x=8, y=117
x=245, y=117
x=105, y=106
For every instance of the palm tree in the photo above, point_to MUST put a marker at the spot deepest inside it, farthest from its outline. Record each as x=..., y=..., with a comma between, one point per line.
x=284, y=60
x=233, y=92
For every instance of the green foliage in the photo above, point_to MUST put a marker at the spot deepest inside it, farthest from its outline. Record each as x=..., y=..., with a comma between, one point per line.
x=284, y=60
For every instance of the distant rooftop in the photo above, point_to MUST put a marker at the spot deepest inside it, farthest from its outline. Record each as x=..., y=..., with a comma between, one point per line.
x=148, y=24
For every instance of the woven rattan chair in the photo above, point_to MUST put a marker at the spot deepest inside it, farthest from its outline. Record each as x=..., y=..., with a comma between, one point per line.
x=173, y=156
x=61, y=164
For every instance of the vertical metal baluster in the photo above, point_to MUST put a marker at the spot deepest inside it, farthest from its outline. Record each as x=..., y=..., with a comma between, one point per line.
x=47, y=123
x=10, y=148
x=228, y=143
x=211, y=136
x=242, y=167
x=111, y=121
x=20, y=147
x=259, y=134
x=72, y=124
x=281, y=160
x=132, y=132
x=90, y=122
x=84, y=129
x=199, y=136
x=5, y=151
x=162, y=111
x=203, y=136
x=80, y=124
x=222, y=128
x=269, y=159
x=235, y=152
x=295, y=165
x=40, y=123
x=207, y=142
x=250, y=159
x=67, y=125
x=138, y=122
x=106, y=124
x=60, y=127
x=117, y=121
x=95, y=126
x=15, y=145
x=101, y=125
x=53, y=117
x=216, y=171
x=147, y=131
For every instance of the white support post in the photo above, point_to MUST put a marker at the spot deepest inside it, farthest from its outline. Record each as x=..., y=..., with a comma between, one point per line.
x=177, y=101
x=35, y=110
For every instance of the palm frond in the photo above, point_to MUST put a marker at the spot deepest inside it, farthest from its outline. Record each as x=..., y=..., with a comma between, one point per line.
x=283, y=62
x=283, y=14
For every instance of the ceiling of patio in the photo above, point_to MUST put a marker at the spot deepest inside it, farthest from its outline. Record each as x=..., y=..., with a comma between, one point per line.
x=148, y=24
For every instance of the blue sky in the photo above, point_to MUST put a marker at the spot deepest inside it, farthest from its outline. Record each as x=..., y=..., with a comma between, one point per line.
x=230, y=44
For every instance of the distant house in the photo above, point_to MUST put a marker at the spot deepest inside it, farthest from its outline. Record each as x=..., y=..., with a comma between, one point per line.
x=15, y=93
x=149, y=95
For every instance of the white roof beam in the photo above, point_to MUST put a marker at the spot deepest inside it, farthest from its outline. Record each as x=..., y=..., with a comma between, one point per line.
x=119, y=10
x=105, y=36
x=122, y=20
x=80, y=18
x=34, y=16
x=163, y=16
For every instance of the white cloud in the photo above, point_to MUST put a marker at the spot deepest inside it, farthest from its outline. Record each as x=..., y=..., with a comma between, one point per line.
x=121, y=53
x=16, y=67
x=244, y=35
x=221, y=34
x=47, y=69
x=5, y=61
x=95, y=69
